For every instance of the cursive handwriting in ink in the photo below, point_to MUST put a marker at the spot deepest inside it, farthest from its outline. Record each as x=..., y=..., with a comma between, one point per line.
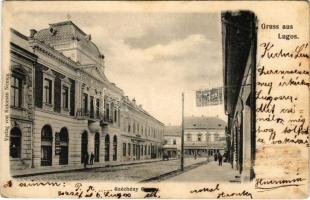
x=206, y=189
x=244, y=193
x=269, y=52
x=37, y=184
x=270, y=184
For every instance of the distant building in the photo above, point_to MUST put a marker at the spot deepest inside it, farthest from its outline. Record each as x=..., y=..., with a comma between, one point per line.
x=141, y=133
x=172, y=141
x=239, y=53
x=204, y=136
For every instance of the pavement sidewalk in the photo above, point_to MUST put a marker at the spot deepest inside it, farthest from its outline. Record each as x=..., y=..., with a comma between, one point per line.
x=210, y=172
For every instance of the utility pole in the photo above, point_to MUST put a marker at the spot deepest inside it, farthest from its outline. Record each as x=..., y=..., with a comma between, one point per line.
x=182, y=137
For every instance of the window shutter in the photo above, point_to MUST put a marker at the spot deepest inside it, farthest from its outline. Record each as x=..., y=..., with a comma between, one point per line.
x=57, y=94
x=38, y=86
x=72, y=97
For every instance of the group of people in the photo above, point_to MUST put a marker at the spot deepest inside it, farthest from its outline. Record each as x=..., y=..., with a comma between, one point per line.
x=219, y=157
x=88, y=159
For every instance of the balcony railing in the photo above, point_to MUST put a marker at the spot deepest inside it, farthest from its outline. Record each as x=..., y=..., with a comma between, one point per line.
x=104, y=119
x=82, y=114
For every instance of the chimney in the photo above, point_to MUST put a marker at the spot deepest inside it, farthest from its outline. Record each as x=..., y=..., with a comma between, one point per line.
x=140, y=105
x=32, y=32
x=134, y=101
x=88, y=37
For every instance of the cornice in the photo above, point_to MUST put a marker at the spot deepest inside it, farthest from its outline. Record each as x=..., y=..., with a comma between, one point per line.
x=50, y=51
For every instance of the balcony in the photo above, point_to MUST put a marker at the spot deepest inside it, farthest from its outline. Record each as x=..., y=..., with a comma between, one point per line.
x=82, y=114
x=105, y=120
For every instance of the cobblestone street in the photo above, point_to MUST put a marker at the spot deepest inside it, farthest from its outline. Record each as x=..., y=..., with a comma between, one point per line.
x=136, y=172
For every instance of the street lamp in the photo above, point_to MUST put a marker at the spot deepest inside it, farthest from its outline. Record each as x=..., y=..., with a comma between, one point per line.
x=182, y=137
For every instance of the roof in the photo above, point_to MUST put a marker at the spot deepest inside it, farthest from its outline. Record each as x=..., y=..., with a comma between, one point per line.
x=172, y=131
x=204, y=123
x=19, y=39
x=66, y=31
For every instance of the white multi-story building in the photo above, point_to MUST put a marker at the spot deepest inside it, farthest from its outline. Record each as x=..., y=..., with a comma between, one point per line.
x=63, y=106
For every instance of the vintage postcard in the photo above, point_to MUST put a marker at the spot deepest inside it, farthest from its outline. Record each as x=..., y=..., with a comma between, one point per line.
x=155, y=99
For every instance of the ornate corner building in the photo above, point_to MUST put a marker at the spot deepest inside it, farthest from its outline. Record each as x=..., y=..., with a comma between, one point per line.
x=64, y=107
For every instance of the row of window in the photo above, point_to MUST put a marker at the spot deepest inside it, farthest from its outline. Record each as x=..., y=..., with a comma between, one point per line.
x=48, y=93
x=174, y=142
x=136, y=128
x=139, y=150
x=62, y=141
x=111, y=112
x=61, y=145
x=90, y=105
x=92, y=108
x=209, y=138
x=17, y=80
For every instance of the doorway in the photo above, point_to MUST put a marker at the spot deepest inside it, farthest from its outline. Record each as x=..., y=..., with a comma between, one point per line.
x=84, y=145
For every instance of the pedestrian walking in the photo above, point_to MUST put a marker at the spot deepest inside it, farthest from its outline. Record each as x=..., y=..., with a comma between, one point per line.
x=92, y=157
x=220, y=158
x=225, y=157
x=85, y=160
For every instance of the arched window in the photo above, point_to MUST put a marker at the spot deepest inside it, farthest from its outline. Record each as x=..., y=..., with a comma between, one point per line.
x=97, y=146
x=84, y=145
x=114, y=147
x=64, y=140
x=15, y=142
x=46, y=145
x=107, y=148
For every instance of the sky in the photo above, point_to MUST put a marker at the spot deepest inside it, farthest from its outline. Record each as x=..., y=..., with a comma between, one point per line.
x=153, y=57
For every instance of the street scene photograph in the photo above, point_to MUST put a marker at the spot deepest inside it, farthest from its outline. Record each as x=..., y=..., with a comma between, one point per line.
x=133, y=96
